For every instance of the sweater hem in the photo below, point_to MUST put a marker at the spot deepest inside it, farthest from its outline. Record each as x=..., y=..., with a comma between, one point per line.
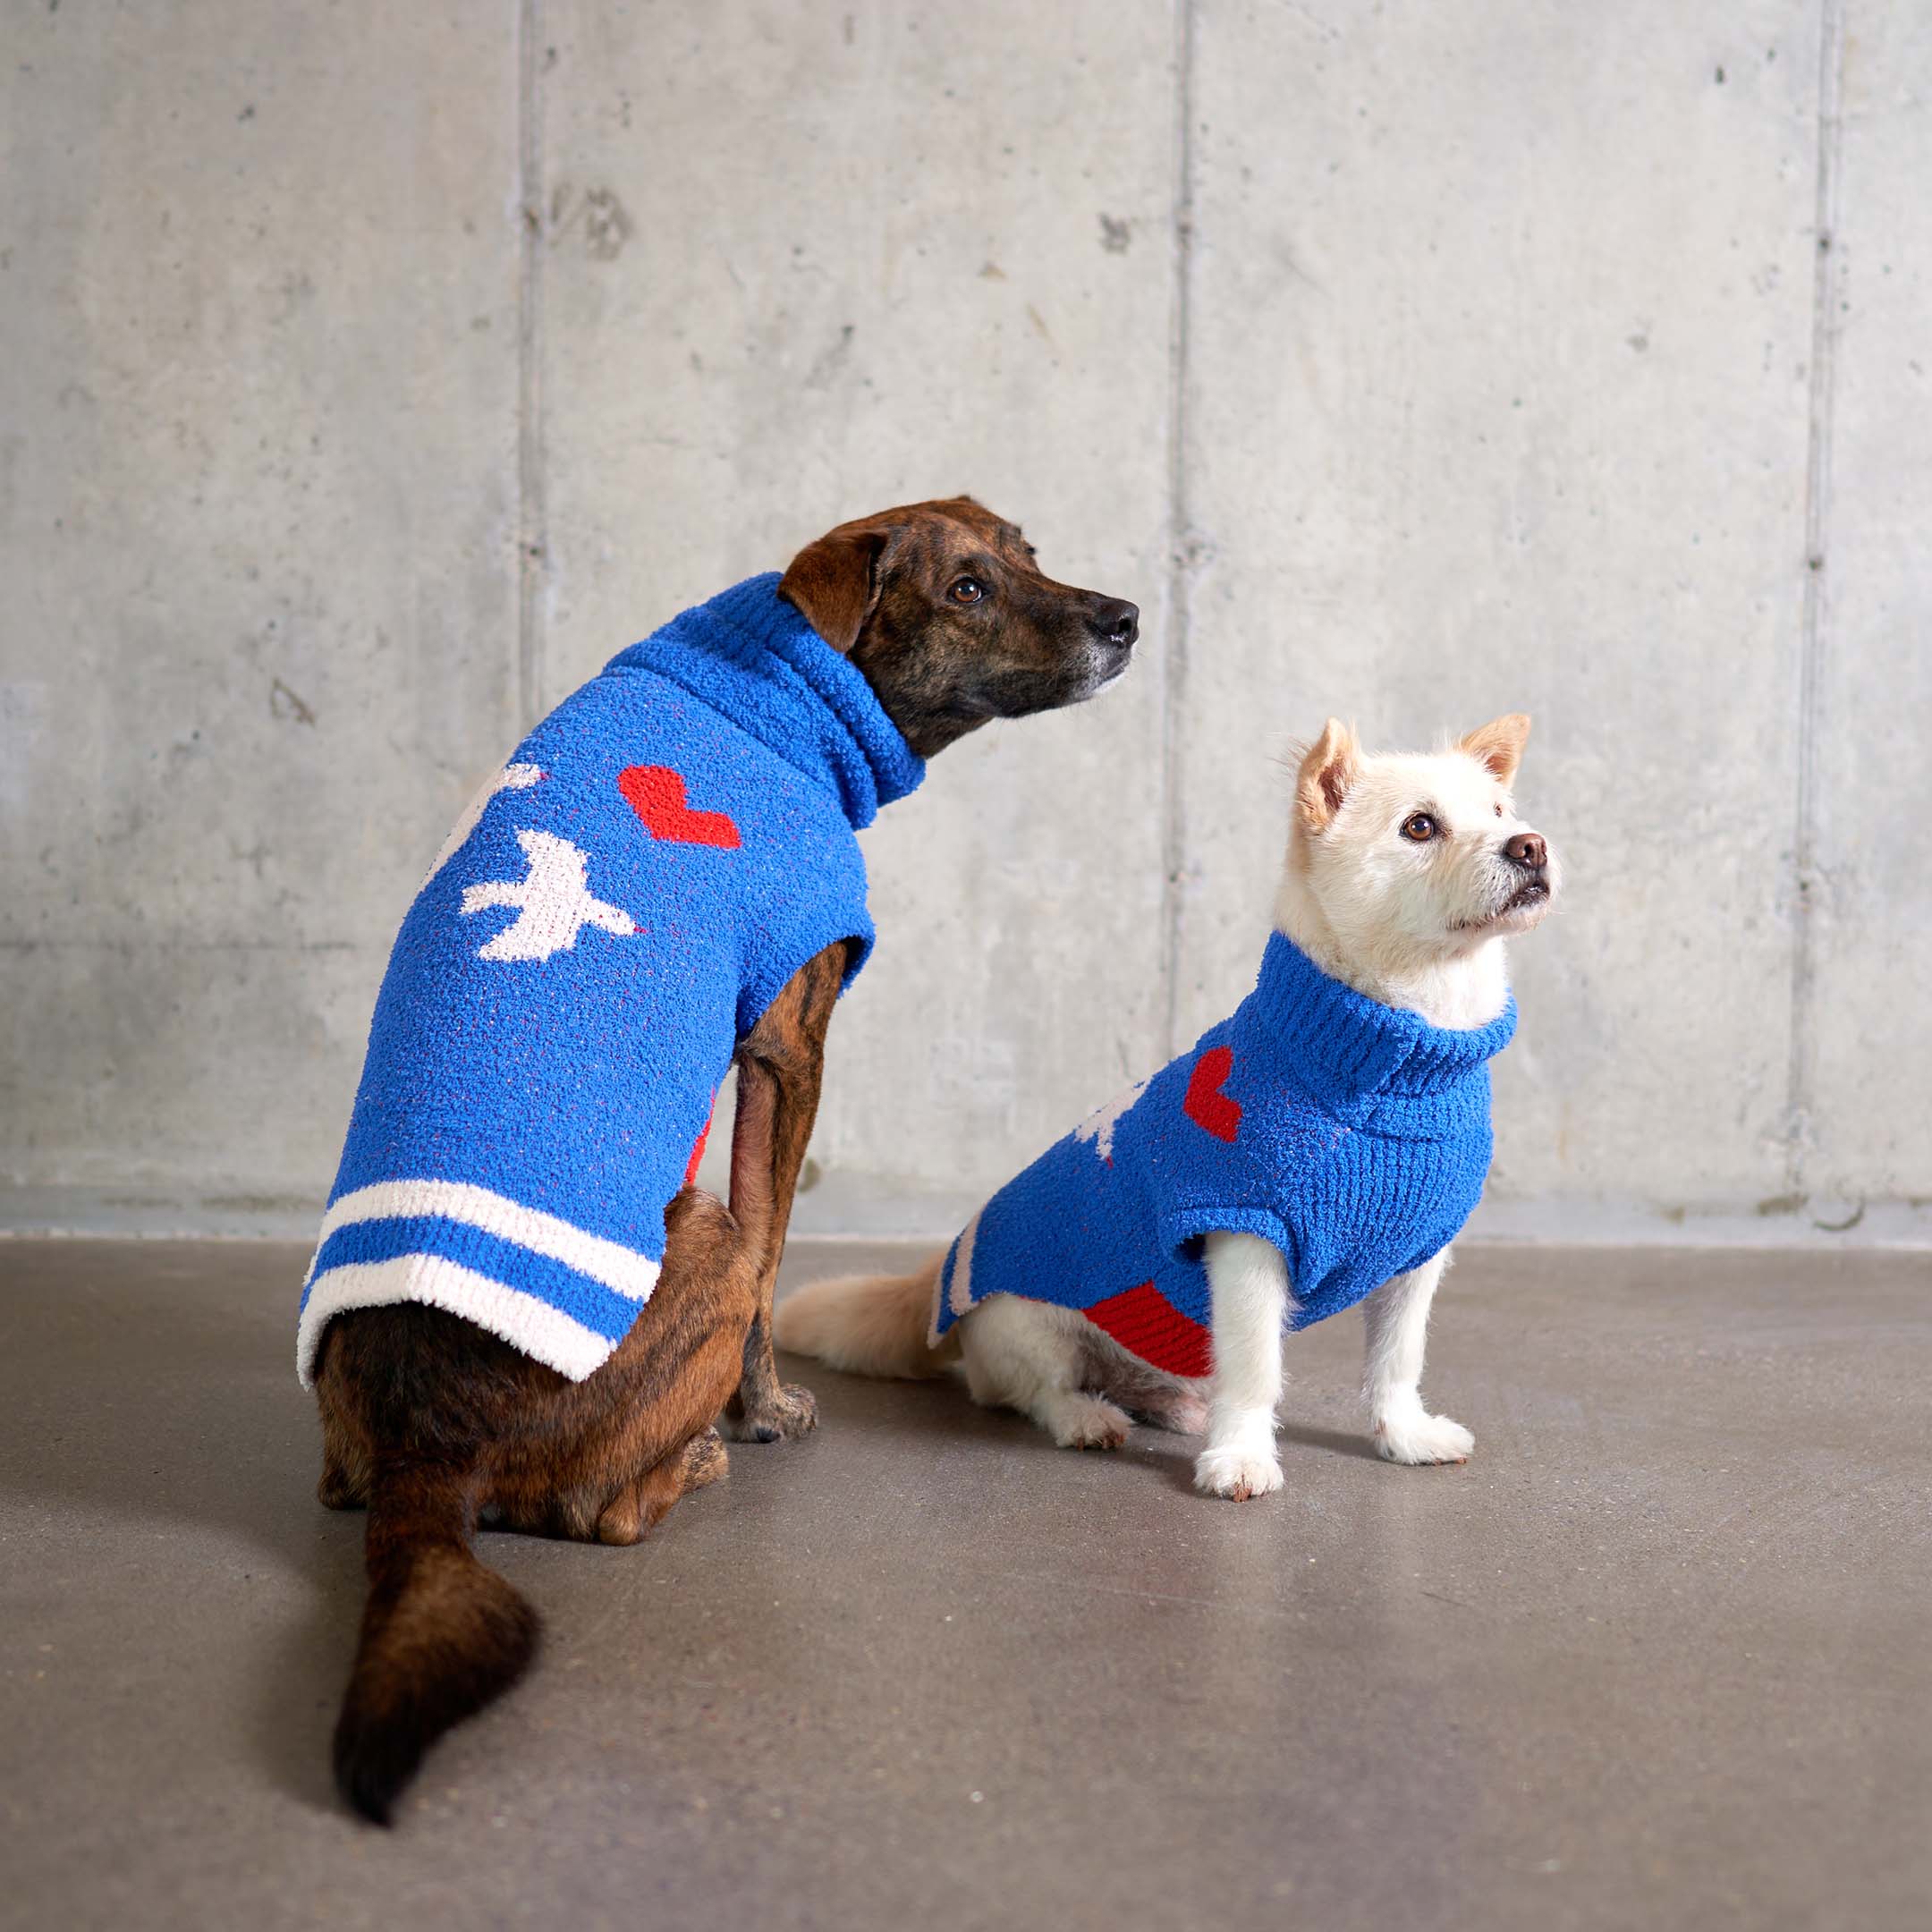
x=1180, y=1230
x=759, y=992
x=526, y=1321
x=553, y=1290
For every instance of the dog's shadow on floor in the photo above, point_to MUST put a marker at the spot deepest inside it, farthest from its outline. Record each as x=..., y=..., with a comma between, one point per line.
x=160, y=1397
x=929, y=1413
x=164, y=1394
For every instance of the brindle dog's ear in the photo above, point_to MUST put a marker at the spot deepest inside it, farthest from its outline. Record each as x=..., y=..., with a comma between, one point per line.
x=835, y=581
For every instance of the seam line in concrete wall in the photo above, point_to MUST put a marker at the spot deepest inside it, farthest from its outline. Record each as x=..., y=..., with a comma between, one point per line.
x=1813, y=629
x=1179, y=531
x=532, y=558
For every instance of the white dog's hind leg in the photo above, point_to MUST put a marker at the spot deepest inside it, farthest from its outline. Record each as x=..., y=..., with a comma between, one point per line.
x=1396, y=1329
x=1179, y=1407
x=1146, y=1393
x=1248, y=1284
x=1032, y=1356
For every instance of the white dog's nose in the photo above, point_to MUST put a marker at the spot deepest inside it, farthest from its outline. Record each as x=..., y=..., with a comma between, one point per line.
x=1527, y=850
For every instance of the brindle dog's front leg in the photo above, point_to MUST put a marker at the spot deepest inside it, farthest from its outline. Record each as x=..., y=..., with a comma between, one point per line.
x=788, y=1047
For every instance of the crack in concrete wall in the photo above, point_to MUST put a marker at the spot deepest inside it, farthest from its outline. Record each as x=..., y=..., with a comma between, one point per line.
x=1181, y=560
x=1814, y=637
x=532, y=529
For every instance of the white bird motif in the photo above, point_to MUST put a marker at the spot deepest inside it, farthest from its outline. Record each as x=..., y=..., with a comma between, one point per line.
x=510, y=778
x=553, y=902
x=1099, y=1127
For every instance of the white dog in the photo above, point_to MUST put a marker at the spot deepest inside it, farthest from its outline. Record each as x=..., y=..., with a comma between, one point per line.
x=1319, y=1148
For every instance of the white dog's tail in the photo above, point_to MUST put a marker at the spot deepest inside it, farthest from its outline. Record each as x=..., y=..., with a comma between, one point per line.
x=873, y=1325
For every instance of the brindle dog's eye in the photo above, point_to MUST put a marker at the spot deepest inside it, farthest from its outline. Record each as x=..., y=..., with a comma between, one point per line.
x=1418, y=827
x=966, y=590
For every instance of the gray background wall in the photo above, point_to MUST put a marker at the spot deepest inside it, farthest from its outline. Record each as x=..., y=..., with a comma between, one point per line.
x=370, y=374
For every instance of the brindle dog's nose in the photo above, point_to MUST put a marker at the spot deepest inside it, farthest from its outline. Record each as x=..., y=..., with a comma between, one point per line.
x=1116, y=623
x=1527, y=850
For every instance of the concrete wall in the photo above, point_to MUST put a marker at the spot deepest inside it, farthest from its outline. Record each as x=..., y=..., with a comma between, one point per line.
x=370, y=374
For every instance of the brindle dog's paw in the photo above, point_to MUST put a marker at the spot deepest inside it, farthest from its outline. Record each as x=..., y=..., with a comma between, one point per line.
x=792, y=1413
x=620, y=1522
x=706, y=1460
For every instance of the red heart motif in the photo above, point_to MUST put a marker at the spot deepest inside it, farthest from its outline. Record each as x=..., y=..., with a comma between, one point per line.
x=656, y=793
x=1206, y=1105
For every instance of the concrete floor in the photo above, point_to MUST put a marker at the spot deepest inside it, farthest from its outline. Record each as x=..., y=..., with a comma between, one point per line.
x=1658, y=1657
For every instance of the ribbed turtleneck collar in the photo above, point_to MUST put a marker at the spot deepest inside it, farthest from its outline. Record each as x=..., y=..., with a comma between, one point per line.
x=1353, y=1055
x=753, y=659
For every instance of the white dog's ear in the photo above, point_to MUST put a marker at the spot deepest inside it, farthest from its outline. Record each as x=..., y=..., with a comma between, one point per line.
x=1327, y=772
x=1499, y=744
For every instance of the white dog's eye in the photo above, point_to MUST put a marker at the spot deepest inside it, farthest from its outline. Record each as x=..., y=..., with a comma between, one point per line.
x=1419, y=829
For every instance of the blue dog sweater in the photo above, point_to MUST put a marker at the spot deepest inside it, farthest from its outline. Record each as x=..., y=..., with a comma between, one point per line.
x=606, y=921
x=1353, y=1137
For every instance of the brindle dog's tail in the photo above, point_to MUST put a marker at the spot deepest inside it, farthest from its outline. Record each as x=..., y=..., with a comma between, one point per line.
x=441, y=1635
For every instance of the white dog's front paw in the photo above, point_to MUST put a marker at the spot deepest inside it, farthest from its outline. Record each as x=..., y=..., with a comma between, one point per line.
x=1237, y=1473
x=1421, y=1438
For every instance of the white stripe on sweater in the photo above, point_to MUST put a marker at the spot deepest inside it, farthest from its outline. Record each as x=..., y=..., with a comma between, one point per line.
x=526, y=1321
x=957, y=1293
x=962, y=1269
x=618, y=1268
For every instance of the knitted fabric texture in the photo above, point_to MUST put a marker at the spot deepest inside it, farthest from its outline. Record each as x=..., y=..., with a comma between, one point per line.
x=1353, y=1137
x=608, y=920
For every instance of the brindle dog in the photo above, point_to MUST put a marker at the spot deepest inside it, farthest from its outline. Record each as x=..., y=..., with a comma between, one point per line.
x=436, y=1424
